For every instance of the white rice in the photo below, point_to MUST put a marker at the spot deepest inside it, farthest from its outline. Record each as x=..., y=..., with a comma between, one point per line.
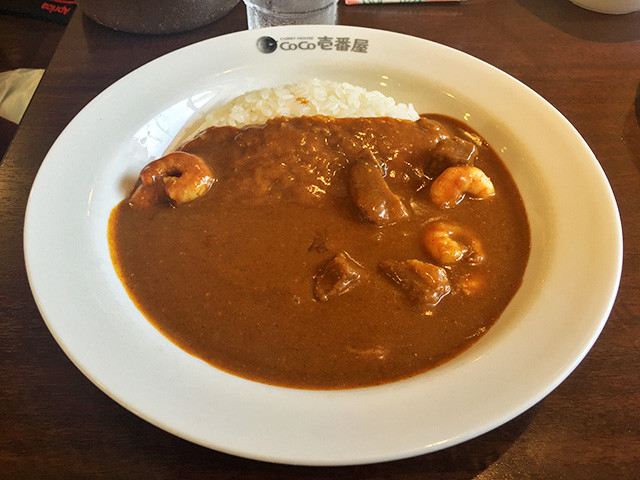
x=305, y=98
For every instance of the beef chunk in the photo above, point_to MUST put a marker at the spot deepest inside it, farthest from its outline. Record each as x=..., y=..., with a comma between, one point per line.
x=435, y=131
x=371, y=194
x=336, y=277
x=450, y=152
x=319, y=242
x=423, y=283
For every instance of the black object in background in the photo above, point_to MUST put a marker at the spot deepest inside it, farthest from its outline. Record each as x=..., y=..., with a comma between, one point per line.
x=57, y=11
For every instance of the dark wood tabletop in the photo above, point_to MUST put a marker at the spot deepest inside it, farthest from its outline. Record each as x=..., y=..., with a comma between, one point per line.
x=55, y=423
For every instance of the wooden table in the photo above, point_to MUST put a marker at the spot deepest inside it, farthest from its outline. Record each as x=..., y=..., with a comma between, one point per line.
x=24, y=43
x=54, y=423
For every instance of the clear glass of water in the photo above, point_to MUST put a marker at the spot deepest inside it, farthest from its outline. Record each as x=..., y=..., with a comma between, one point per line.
x=269, y=13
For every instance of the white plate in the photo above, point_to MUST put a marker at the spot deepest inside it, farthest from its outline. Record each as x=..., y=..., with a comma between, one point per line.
x=568, y=290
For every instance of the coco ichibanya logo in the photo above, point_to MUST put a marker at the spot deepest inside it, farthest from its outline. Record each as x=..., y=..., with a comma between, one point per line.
x=341, y=44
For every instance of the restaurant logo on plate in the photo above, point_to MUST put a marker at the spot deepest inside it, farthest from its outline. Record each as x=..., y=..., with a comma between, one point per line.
x=340, y=44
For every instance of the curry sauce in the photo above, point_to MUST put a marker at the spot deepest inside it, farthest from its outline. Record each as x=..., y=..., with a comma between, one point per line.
x=298, y=266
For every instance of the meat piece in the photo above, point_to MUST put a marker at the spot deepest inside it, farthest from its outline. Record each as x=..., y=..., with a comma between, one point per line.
x=434, y=130
x=371, y=194
x=423, y=283
x=450, y=152
x=336, y=277
x=319, y=242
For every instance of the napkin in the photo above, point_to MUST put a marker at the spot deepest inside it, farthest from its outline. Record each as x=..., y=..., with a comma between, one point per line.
x=16, y=90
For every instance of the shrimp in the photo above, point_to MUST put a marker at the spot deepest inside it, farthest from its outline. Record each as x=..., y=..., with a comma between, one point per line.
x=179, y=175
x=449, y=243
x=451, y=186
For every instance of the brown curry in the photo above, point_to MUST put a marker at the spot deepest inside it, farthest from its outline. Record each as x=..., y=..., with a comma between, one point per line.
x=319, y=254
